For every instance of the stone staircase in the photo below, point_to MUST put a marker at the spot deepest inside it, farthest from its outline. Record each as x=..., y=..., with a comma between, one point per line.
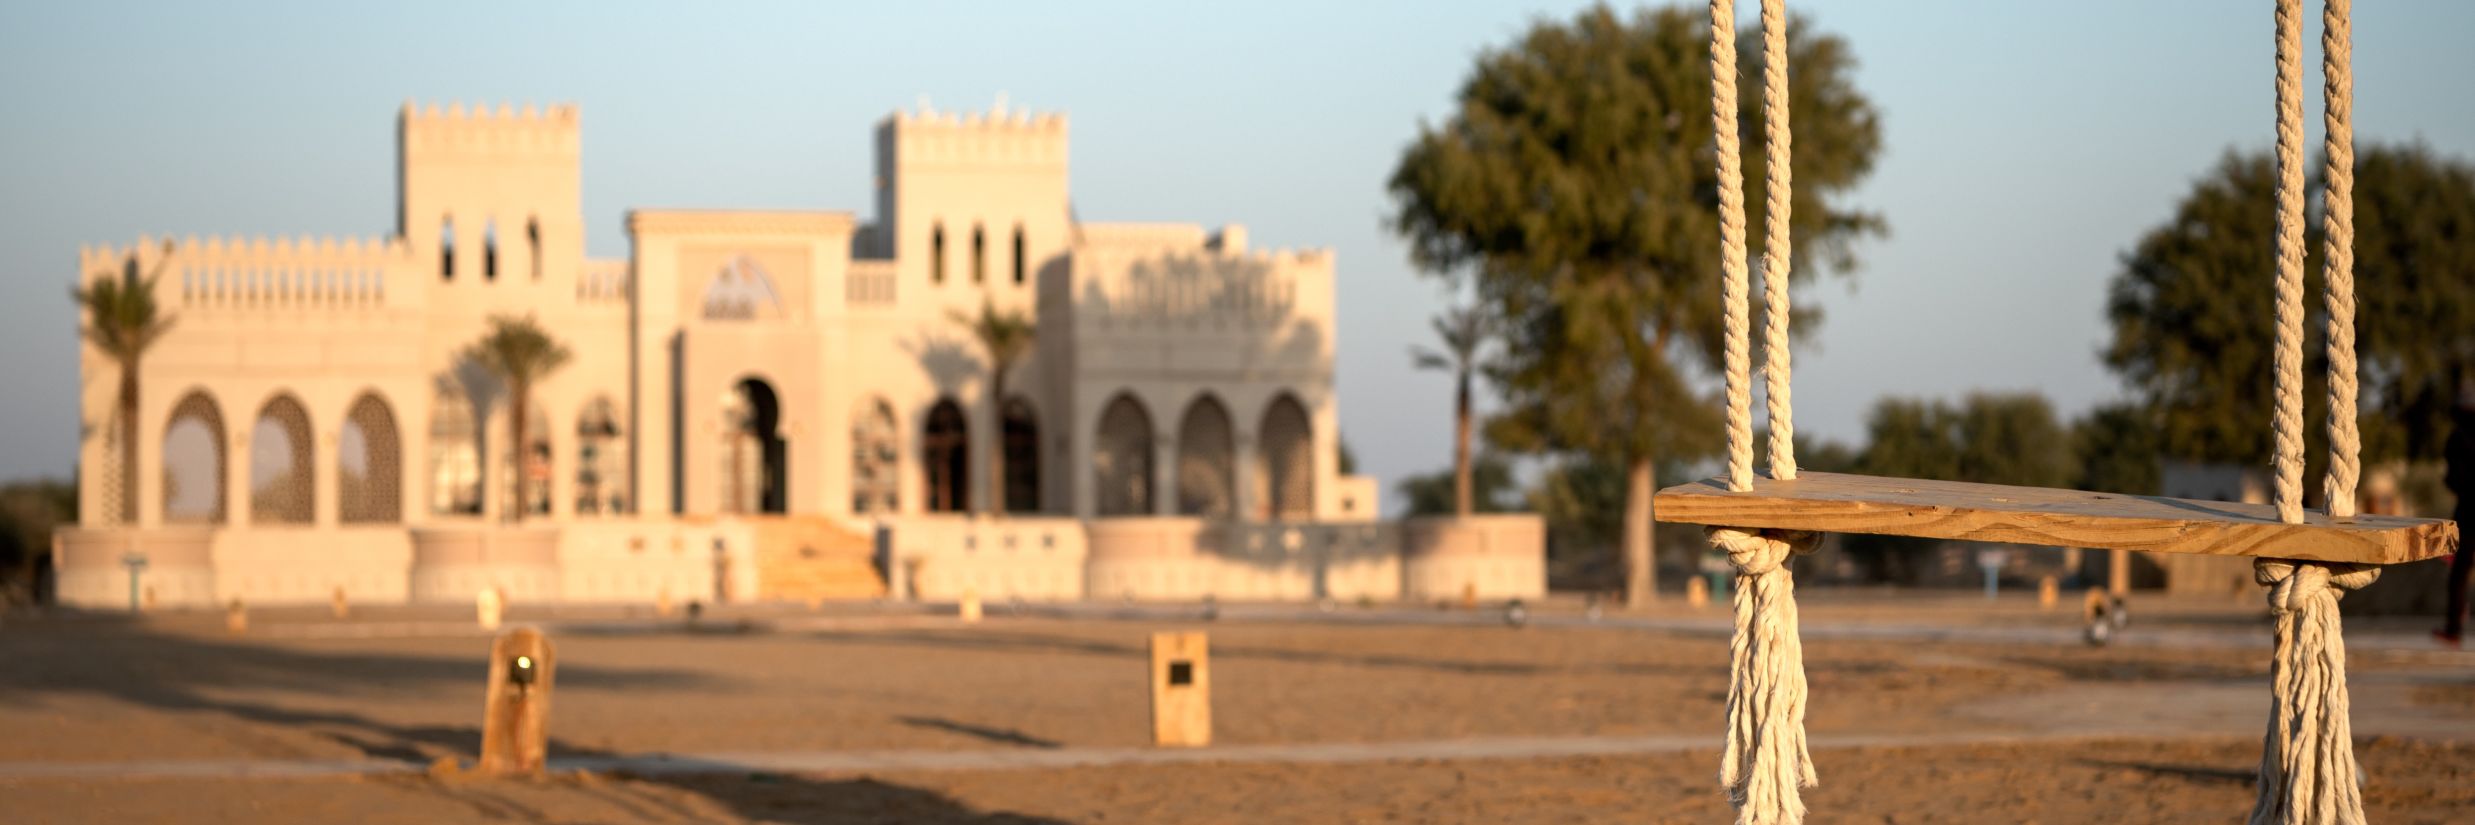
x=802, y=558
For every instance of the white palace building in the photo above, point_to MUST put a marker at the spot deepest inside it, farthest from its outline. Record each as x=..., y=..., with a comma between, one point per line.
x=760, y=405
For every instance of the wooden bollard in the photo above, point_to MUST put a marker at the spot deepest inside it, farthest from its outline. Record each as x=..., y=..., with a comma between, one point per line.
x=969, y=610
x=1697, y=592
x=236, y=618
x=2049, y=593
x=338, y=604
x=1181, y=689
x=515, y=722
x=487, y=607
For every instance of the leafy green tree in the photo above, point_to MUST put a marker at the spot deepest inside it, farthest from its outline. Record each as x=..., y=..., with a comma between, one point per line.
x=1462, y=331
x=1573, y=187
x=1486, y=487
x=2118, y=450
x=1005, y=337
x=29, y=512
x=520, y=354
x=123, y=321
x=2191, y=309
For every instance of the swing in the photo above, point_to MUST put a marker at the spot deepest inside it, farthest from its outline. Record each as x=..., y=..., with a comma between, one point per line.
x=2306, y=560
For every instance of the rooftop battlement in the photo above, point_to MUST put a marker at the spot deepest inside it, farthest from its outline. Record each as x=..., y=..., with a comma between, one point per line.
x=997, y=136
x=427, y=129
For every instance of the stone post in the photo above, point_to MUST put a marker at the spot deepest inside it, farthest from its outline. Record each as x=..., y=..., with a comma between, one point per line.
x=1181, y=687
x=515, y=721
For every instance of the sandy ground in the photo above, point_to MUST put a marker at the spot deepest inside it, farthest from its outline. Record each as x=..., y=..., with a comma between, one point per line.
x=2175, y=726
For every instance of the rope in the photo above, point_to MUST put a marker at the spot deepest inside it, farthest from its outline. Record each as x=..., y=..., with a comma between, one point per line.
x=1731, y=243
x=2308, y=772
x=2338, y=267
x=1765, y=762
x=2288, y=419
x=1780, y=190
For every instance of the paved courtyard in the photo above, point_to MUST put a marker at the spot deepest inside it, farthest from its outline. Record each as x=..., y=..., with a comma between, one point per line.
x=1926, y=708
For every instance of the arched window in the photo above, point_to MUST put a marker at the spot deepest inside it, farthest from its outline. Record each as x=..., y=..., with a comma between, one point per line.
x=1022, y=457
x=455, y=452
x=1206, y=461
x=1019, y=254
x=936, y=254
x=369, y=471
x=532, y=244
x=446, y=248
x=489, y=249
x=280, y=465
x=979, y=255
x=876, y=456
x=1121, y=462
x=756, y=460
x=1285, y=461
x=193, y=462
x=945, y=453
x=601, y=461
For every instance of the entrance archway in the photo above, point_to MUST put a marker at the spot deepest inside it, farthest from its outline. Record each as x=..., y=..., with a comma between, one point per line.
x=945, y=453
x=755, y=458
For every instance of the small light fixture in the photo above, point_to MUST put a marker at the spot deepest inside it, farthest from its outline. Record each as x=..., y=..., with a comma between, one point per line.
x=523, y=671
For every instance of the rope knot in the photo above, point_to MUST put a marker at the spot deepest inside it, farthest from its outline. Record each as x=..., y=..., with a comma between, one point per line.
x=1756, y=552
x=2297, y=585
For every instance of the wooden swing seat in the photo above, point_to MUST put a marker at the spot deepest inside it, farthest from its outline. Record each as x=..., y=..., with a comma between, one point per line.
x=1842, y=503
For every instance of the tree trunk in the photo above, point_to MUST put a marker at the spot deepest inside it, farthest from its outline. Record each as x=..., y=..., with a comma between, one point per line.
x=515, y=428
x=128, y=443
x=1641, y=573
x=1461, y=448
x=996, y=442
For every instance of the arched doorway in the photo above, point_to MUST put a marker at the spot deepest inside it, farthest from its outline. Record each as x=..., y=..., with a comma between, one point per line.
x=945, y=458
x=1121, y=460
x=755, y=459
x=455, y=452
x=1285, y=460
x=1206, y=461
x=369, y=473
x=280, y=468
x=1022, y=457
x=193, y=462
x=601, y=461
x=876, y=457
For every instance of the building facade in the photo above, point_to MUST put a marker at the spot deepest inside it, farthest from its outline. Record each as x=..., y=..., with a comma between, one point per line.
x=759, y=404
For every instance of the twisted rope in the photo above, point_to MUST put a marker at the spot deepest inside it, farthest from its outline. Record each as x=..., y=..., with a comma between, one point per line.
x=1731, y=243
x=1780, y=191
x=2288, y=418
x=2308, y=772
x=1765, y=762
x=2338, y=265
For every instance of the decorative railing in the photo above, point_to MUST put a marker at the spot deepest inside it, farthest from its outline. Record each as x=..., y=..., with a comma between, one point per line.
x=869, y=282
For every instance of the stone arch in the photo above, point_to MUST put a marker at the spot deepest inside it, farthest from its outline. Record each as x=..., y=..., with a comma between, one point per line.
x=454, y=458
x=1019, y=442
x=1285, y=460
x=529, y=470
x=1121, y=459
x=756, y=463
x=945, y=458
x=282, y=471
x=601, y=460
x=876, y=459
x=369, y=474
x=1206, y=461
x=192, y=458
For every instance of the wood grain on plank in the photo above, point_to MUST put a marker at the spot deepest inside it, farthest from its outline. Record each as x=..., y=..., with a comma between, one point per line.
x=1839, y=503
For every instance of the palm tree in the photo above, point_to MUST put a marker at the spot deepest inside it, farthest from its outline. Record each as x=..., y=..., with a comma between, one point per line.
x=123, y=321
x=1005, y=337
x=521, y=354
x=1464, y=332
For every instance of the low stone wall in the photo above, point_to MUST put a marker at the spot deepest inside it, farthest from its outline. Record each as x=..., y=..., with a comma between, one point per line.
x=302, y=565
x=939, y=558
x=88, y=570
x=454, y=563
x=639, y=561
x=1500, y=556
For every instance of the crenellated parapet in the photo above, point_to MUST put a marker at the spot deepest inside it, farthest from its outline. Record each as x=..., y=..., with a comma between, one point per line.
x=604, y=282
x=482, y=130
x=995, y=137
x=218, y=274
x=1199, y=287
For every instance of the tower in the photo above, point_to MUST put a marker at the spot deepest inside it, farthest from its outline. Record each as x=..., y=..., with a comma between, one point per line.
x=491, y=196
x=972, y=204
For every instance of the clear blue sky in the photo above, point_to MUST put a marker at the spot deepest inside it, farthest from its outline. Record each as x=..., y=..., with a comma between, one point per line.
x=2027, y=145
